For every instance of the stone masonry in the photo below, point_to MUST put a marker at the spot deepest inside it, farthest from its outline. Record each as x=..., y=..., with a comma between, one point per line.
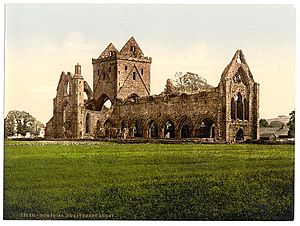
x=120, y=104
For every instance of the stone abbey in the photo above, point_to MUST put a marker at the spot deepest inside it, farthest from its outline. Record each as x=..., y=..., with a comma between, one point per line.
x=120, y=104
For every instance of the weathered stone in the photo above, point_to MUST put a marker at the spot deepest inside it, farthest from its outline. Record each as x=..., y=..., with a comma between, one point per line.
x=228, y=112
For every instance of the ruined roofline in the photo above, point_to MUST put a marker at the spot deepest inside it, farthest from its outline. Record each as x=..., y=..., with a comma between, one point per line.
x=111, y=51
x=163, y=97
x=132, y=39
x=144, y=59
x=237, y=61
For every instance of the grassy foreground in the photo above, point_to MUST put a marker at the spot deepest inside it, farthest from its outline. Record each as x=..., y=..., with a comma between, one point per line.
x=148, y=181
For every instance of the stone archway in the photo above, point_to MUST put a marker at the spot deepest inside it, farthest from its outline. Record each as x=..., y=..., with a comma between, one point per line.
x=239, y=135
x=153, y=129
x=186, y=128
x=206, y=129
x=138, y=129
x=169, y=129
x=103, y=103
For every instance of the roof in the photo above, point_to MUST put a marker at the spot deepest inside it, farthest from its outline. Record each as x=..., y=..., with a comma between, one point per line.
x=110, y=48
x=277, y=131
x=267, y=135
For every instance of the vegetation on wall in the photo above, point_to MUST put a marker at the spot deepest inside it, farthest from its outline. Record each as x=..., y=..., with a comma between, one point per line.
x=190, y=82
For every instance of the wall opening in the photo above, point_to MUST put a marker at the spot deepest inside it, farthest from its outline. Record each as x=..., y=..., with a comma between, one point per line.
x=103, y=103
x=107, y=104
x=153, y=129
x=138, y=129
x=169, y=129
x=98, y=127
x=108, y=125
x=186, y=130
x=87, y=123
x=232, y=108
x=132, y=98
x=239, y=135
x=240, y=107
x=206, y=129
x=68, y=88
x=246, y=109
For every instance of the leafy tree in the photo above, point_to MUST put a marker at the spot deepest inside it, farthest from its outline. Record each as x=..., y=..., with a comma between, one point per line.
x=263, y=123
x=291, y=125
x=21, y=122
x=189, y=82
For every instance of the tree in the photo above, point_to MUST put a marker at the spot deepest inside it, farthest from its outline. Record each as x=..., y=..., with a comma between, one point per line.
x=291, y=125
x=189, y=82
x=263, y=123
x=21, y=122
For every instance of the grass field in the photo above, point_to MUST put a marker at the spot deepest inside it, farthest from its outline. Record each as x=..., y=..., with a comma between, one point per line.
x=148, y=181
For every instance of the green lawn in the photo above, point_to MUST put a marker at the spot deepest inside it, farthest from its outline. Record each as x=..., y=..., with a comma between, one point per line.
x=148, y=181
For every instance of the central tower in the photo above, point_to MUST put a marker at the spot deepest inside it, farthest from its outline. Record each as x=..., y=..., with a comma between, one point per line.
x=121, y=74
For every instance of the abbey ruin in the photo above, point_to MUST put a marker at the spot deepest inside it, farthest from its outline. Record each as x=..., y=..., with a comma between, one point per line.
x=228, y=112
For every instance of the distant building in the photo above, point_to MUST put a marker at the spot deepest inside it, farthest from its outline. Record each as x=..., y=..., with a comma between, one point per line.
x=268, y=136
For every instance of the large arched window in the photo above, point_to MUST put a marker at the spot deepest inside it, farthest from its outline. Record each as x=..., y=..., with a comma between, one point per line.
x=246, y=109
x=206, y=129
x=169, y=129
x=232, y=108
x=240, y=107
x=153, y=129
x=67, y=89
x=87, y=123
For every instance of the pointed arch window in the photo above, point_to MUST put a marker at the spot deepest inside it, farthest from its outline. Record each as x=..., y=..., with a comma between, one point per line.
x=240, y=107
x=232, y=108
x=246, y=109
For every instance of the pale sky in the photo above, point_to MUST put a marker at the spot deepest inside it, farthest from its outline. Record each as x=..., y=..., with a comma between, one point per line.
x=44, y=40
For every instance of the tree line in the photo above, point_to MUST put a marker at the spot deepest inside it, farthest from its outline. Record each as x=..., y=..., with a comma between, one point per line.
x=21, y=122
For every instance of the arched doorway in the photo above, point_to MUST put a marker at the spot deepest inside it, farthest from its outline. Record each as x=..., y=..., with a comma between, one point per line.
x=186, y=130
x=169, y=129
x=239, y=135
x=138, y=129
x=153, y=129
x=206, y=129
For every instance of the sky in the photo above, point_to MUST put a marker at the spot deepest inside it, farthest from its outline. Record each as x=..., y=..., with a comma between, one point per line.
x=43, y=40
